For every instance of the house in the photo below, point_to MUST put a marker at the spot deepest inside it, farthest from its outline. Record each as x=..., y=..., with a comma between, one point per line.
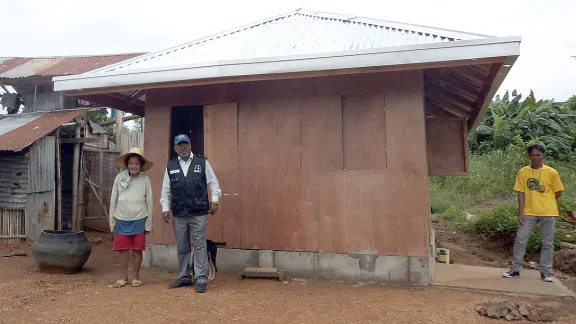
x=42, y=172
x=323, y=130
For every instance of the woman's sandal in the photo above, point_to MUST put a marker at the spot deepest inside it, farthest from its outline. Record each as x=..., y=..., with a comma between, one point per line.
x=136, y=283
x=120, y=283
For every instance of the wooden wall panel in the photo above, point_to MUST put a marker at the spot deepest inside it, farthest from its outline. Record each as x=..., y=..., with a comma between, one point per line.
x=447, y=146
x=321, y=133
x=364, y=131
x=290, y=192
x=221, y=136
x=157, y=147
x=269, y=135
x=406, y=193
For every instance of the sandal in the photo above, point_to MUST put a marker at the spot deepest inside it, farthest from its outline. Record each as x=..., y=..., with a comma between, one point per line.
x=120, y=283
x=136, y=283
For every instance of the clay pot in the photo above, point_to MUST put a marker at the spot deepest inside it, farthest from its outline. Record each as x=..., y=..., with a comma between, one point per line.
x=61, y=251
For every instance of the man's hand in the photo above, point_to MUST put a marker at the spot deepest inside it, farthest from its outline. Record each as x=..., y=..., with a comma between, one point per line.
x=521, y=218
x=166, y=217
x=213, y=208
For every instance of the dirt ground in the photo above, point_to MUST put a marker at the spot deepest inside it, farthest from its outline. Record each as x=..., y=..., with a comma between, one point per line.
x=29, y=296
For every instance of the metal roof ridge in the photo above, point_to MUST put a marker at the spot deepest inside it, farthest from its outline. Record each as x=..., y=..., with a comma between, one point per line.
x=385, y=23
x=193, y=42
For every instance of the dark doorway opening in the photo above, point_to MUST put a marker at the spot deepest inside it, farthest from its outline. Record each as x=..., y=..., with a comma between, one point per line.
x=67, y=156
x=188, y=120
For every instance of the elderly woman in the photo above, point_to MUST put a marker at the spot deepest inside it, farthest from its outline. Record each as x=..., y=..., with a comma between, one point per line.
x=131, y=212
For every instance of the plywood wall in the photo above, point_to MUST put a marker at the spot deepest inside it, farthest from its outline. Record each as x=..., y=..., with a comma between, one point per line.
x=447, y=146
x=334, y=164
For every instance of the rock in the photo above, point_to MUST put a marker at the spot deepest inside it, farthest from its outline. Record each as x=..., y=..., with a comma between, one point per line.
x=510, y=305
x=533, y=317
x=516, y=314
x=483, y=312
x=285, y=282
x=509, y=317
x=497, y=309
x=479, y=308
x=524, y=310
x=546, y=317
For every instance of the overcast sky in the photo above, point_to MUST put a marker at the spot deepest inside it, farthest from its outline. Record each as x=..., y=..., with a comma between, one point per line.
x=71, y=27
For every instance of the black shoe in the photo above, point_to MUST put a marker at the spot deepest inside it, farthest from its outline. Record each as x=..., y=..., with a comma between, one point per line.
x=201, y=287
x=511, y=274
x=181, y=283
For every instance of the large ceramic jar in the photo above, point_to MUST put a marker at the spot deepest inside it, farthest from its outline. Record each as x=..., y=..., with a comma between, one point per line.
x=61, y=251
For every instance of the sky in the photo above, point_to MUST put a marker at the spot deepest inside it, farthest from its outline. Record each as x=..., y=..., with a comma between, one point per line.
x=71, y=27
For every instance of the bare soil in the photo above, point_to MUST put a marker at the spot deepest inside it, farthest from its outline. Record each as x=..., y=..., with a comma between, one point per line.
x=29, y=296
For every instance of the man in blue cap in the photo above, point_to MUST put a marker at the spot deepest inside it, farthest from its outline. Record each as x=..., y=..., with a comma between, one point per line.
x=184, y=190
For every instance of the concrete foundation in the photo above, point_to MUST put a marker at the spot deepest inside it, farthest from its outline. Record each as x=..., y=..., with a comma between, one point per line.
x=361, y=266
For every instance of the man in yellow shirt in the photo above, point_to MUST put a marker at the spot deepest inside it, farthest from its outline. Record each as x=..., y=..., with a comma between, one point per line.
x=538, y=187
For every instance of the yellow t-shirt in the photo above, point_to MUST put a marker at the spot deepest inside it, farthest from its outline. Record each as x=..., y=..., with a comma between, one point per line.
x=539, y=187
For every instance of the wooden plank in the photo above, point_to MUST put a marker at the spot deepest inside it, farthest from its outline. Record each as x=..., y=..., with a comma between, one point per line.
x=321, y=127
x=221, y=136
x=59, y=178
x=404, y=227
x=269, y=155
x=157, y=145
x=364, y=131
x=269, y=135
x=229, y=224
x=446, y=147
x=79, y=140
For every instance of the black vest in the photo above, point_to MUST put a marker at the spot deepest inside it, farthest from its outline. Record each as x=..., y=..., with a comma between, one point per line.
x=190, y=192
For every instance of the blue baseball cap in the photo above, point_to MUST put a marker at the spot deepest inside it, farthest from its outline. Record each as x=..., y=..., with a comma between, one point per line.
x=181, y=138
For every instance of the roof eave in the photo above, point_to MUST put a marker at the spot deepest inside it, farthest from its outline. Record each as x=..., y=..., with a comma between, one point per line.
x=391, y=56
x=496, y=83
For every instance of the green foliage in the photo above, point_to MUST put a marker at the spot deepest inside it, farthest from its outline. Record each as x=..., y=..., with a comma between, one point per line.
x=491, y=175
x=511, y=121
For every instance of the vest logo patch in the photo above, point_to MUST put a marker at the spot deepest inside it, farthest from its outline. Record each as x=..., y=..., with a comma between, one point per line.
x=197, y=169
x=174, y=171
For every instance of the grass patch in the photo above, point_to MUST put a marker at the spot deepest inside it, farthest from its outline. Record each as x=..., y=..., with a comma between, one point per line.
x=487, y=194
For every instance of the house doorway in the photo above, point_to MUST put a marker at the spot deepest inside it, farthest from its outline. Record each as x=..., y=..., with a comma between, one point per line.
x=188, y=120
x=67, y=158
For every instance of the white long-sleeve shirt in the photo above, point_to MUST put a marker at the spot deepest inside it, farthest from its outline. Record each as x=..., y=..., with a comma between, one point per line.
x=211, y=180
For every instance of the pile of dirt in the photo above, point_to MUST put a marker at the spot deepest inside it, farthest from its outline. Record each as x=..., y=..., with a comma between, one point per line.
x=565, y=261
x=512, y=311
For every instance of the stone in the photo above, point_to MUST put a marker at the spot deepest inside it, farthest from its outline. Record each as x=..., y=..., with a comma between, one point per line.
x=510, y=305
x=497, y=309
x=484, y=312
x=516, y=314
x=479, y=308
x=534, y=316
x=524, y=310
x=546, y=317
x=510, y=317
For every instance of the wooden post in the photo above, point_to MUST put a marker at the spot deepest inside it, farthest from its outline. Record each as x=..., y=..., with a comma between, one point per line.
x=59, y=178
x=75, y=168
x=119, y=126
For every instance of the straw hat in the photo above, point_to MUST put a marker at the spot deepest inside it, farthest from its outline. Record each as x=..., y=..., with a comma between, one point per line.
x=121, y=160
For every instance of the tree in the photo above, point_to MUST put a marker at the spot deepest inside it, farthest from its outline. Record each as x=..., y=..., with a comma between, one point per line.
x=513, y=121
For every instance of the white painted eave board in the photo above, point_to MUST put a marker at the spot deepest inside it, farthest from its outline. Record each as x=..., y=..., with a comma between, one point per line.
x=390, y=56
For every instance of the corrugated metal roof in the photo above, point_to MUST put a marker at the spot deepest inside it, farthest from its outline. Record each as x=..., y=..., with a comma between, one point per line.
x=40, y=124
x=12, y=68
x=295, y=33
